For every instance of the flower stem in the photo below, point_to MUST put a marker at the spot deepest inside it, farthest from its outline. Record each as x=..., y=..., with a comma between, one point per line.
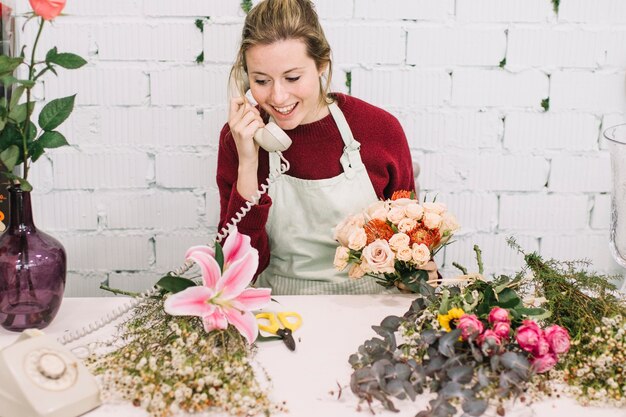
x=31, y=73
x=118, y=291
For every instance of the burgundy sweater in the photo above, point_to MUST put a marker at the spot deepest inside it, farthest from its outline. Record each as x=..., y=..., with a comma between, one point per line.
x=314, y=155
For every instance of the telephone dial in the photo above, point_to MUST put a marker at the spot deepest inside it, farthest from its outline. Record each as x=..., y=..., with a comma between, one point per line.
x=41, y=378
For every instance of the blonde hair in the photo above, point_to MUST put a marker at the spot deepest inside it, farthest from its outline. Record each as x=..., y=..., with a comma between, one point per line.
x=277, y=20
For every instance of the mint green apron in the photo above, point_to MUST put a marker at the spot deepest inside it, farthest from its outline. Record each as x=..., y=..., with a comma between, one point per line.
x=301, y=221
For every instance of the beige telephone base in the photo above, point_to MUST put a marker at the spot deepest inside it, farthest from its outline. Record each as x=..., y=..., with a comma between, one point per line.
x=41, y=378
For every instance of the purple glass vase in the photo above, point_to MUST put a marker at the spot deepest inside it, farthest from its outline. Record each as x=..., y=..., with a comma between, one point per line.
x=32, y=269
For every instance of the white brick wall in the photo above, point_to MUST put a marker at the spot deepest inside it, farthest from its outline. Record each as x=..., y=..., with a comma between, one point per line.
x=466, y=78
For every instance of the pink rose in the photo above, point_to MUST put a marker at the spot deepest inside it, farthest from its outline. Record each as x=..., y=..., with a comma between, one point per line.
x=349, y=225
x=379, y=257
x=544, y=363
x=542, y=348
x=502, y=329
x=48, y=9
x=499, y=314
x=528, y=335
x=489, y=342
x=558, y=338
x=469, y=325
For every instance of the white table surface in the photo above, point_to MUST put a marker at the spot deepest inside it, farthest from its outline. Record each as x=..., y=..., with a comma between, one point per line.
x=333, y=328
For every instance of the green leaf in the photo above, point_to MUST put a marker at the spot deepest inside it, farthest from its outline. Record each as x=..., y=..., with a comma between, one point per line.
x=55, y=112
x=7, y=80
x=8, y=64
x=16, y=95
x=51, y=54
x=27, y=83
x=508, y=298
x=35, y=150
x=175, y=284
x=219, y=256
x=26, y=186
x=10, y=156
x=18, y=113
x=67, y=60
x=10, y=136
x=536, y=313
x=51, y=140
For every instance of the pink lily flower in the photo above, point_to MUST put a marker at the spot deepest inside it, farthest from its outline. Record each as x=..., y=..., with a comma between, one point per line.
x=223, y=298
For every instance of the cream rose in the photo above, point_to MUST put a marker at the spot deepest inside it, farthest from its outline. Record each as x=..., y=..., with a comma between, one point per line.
x=421, y=254
x=395, y=214
x=379, y=257
x=449, y=223
x=341, y=258
x=399, y=240
x=401, y=202
x=377, y=210
x=431, y=220
x=358, y=239
x=406, y=225
x=437, y=208
x=349, y=225
x=404, y=254
x=356, y=271
x=414, y=211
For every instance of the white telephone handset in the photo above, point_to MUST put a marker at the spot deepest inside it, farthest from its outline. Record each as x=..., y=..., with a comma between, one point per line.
x=41, y=378
x=271, y=137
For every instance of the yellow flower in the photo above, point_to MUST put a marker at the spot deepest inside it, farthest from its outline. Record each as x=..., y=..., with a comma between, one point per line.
x=453, y=316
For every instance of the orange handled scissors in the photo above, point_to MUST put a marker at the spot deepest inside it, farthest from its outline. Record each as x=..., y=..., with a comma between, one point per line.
x=282, y=324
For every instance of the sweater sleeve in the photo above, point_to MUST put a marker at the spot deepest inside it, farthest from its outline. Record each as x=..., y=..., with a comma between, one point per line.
x=231, y=202
x=400, y=165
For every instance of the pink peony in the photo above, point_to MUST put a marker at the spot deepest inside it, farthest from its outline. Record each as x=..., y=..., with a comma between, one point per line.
x=502, y=329
x=558, y=338
x=47, y=9
x=499, y=314
x=544, y=363
x=528, y=335
x=489, y=342
x=469, y=325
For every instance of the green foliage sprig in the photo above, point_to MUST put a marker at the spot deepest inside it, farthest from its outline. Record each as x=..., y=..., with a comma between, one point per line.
x=20, y=140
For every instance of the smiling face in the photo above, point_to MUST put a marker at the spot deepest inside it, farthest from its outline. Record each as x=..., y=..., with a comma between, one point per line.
x=285, y=82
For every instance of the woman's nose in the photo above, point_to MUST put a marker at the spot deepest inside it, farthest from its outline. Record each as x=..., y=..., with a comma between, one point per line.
x=279, y=93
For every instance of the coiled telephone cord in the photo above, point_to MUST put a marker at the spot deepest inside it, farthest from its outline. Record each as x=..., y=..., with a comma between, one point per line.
x=134, y=302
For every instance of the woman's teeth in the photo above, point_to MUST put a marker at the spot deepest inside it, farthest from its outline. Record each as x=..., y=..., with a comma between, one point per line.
x=285, y=110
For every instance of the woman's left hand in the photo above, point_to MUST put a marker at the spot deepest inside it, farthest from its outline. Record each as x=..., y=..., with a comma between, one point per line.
x=433, y=273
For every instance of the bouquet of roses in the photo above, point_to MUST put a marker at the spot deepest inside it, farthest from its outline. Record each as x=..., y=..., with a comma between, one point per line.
x=393, y=239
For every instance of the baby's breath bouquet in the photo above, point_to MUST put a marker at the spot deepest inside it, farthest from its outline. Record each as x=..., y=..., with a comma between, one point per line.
x=188, y=348
x=393, y=240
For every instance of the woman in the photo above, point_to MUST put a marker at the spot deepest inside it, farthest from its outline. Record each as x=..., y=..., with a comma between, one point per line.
x=345, y=153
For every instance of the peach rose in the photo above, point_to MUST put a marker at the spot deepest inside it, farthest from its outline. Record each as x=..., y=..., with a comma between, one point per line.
x=395, y=214
x=341, y=258
x=379, y=257
x=358, y=239
x=414, y=211
x=406, y=225
x=356, y=271
x=449, y=223
x=377, y=210
x=431, y=220
x=401, y=202
x=399, y=240
x=437, y=208
x=349, y=225
x=421, y=254
x=404, y=254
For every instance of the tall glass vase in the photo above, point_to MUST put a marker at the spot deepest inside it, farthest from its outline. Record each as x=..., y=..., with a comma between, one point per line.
x=616, y=136
x=32, y=269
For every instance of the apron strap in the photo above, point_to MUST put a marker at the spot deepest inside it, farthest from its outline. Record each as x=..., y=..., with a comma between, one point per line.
x=351, y=157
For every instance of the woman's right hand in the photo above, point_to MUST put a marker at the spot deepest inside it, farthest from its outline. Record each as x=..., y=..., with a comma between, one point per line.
x=244, y=120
